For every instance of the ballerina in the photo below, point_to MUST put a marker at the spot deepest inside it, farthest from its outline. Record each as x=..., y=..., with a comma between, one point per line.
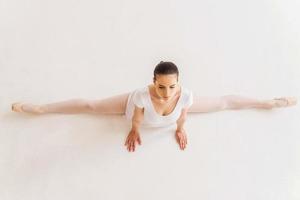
x=162, y=103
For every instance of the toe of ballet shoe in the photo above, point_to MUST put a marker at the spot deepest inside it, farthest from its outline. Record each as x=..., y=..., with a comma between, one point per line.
x=286, y=101
x=292, y=101
x=17, y=107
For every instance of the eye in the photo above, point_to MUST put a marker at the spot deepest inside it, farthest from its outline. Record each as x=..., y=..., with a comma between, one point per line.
x=163, y=87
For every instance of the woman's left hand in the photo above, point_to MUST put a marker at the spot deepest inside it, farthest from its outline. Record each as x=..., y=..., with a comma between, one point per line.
x=181, y=138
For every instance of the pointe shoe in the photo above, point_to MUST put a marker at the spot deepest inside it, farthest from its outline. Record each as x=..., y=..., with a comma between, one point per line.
x=31, y=108
x=285, y=101
x=17, y=107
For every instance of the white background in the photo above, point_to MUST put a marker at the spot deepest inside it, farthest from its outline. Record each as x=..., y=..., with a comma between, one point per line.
x=61, y=49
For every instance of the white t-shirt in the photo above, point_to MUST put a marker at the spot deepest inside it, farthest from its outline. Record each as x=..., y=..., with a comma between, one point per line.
x=141, y=98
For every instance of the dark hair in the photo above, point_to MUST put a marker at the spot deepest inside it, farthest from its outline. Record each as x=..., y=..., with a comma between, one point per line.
x=165, y=68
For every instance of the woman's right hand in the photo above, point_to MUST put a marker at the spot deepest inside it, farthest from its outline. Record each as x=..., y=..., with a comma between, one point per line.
x=132, y=138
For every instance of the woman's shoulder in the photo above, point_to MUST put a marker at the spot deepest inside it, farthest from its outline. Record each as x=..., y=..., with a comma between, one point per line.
x=142, y=90
x=186, y=91
x=187, y=98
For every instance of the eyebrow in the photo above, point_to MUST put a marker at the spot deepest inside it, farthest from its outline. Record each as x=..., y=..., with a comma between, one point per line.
x=164, y=86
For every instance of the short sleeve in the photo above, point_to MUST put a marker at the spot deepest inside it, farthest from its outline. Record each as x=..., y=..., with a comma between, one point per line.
x=190, y=99
x=137, y=99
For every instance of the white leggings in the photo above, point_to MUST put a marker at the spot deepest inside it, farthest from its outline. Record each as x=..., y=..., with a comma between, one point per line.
x=117, y=104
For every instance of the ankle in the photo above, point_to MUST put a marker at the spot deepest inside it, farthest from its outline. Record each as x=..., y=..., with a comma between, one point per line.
x=40, y=109
x=31, y=108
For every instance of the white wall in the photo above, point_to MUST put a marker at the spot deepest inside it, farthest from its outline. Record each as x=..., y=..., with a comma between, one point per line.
x=56, y=50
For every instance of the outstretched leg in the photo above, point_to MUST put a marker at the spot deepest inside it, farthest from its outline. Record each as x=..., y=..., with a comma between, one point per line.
x=212, y=104
x=111, y=105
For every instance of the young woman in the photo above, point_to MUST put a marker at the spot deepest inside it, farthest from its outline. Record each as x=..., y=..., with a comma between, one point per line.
x=162, y=103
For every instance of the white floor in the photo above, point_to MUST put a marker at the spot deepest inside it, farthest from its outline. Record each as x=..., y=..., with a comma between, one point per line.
x=56, y=50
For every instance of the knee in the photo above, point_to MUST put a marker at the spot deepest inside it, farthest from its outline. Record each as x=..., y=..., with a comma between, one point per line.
x=230, y=102
x=92, y=106
x=89, y=105
x=85, y=104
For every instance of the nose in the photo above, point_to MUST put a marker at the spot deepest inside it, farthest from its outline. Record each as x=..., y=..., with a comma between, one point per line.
x=167, y=93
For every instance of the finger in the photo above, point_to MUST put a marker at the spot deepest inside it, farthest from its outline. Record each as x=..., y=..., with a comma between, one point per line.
x=127, y=140
x=180, y=141
x=185, y=139
x=183, y=143
x=177, y=139
x=131, y=146
x=139, y=140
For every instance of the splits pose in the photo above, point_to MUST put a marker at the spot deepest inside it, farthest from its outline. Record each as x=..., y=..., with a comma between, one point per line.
x=162, y=103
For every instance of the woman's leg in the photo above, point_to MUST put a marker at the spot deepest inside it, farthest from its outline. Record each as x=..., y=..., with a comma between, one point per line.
x=212, y=104
x=111, y=105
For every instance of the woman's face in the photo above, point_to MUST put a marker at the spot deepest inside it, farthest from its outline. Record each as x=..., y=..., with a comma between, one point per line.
x=166, y=86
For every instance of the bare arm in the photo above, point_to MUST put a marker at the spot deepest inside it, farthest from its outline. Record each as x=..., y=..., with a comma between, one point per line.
x=134, y=135
x=137, y=117
x=180, y=135
x=180, y=121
